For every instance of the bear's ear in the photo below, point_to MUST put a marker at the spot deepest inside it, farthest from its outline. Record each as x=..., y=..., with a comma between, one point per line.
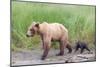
x=37, y=25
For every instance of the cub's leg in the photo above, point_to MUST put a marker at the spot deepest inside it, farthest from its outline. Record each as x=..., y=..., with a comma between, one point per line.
x=76, y=48
x=82, y=49
x=87, y=48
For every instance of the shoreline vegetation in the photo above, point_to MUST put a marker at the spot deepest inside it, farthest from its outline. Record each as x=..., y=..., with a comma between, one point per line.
x=78, y=19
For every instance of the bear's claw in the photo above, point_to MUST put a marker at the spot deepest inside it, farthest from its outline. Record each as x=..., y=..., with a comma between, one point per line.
x=43, y=58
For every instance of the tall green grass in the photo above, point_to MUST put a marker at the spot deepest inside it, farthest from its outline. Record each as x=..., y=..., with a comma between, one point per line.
x=78, y=19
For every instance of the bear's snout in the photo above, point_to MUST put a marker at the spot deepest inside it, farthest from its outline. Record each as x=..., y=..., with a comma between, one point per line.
x=27, y=35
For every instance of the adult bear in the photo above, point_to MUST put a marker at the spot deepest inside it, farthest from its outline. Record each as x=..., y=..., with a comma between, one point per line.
x=50, y=32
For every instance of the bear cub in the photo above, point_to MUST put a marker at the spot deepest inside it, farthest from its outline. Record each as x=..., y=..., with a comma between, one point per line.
x=82, y=46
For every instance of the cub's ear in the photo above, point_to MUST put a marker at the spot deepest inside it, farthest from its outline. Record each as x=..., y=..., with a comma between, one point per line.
x=37, y=25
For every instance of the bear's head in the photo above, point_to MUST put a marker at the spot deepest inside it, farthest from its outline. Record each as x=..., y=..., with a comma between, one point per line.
x=33, y=28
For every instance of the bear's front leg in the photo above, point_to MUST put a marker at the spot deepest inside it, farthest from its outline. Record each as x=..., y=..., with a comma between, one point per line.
x=46, y=50
x=42, y=42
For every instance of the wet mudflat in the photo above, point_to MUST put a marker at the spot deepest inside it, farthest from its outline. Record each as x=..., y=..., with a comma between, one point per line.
x=33, y=57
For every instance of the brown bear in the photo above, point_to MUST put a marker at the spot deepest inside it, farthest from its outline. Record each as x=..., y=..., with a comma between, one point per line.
x=50, y=32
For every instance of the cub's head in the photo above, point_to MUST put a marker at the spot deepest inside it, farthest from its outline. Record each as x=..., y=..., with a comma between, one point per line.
x=33, y=28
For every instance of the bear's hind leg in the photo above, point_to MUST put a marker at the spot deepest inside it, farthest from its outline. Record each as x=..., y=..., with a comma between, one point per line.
x=62, y=45
x=69, y=48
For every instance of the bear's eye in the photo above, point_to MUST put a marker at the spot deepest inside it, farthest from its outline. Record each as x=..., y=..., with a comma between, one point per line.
x=31, y=30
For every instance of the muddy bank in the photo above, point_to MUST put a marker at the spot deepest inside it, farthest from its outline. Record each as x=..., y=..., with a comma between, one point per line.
x=27, y=57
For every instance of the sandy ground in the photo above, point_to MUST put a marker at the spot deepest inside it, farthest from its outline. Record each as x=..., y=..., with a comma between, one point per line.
x=33, y=57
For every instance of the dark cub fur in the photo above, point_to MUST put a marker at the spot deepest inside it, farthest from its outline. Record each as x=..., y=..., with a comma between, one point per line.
x=82, y=46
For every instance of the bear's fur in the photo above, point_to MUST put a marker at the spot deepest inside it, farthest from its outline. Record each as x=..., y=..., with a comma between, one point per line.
x=82, y=46
x=50, y=32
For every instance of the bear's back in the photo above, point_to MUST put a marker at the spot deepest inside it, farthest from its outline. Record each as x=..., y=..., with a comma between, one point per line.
x=57, y=30
x=59, y=27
